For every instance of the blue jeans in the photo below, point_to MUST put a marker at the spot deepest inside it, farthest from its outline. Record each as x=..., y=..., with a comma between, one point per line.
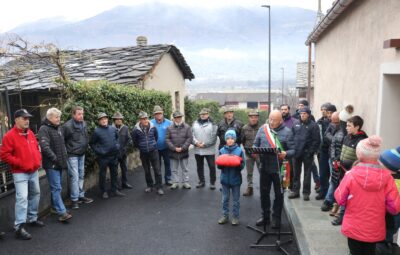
x=332, y=187
x=76, y=172
x=55, y=178
x=324, y=172
x=226, y=190
x=27, y=196
x=164, y=154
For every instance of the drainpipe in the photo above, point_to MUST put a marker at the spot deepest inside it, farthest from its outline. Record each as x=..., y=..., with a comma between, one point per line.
x=309, y=74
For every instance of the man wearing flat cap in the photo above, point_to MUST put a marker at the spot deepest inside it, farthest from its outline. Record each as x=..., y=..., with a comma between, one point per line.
x=104, y=142
x=179, y=138
x=125, y=140
x=145, y=136
x=204, y=140
x=20, y=150
x=161, y=124
x=307, y=140
x=249, y=132
x=229, y=123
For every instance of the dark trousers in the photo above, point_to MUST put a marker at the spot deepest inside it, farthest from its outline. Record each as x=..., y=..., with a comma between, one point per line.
x=298, y=163
x=200, y=167
x=361, y=248
x=123, y=164
x=266, y=181
x=291, y=162
x=324, y=172
x=112, y=163
x=164, y=155
x=151, y=159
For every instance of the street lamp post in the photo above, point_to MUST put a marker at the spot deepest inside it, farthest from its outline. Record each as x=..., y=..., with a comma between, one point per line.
x=283, y=81
x=269, y=56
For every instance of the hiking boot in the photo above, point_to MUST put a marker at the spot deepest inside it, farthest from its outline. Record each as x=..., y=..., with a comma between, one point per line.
x=201, y=185
x=65, y=217
x=126, y=186
x=104, y=195
x=212, y=186
x=306, y=197
x=319, y=197
x=38, y=223
x=293, y=195
x=85, y=200
x=118, y=194
x=223, y=220
x=186, y=186
x=22, y=234
x=334, y=210
x=235, y=221
x=175, y=186
x=148, y=189
x=74, y=205
x=248, y=192
x=326, y=206
x=160, y=191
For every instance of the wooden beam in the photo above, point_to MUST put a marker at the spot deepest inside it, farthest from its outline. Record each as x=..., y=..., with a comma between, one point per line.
x=391, y=43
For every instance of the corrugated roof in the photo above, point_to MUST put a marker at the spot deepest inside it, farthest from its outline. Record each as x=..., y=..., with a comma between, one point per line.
x=122, y=65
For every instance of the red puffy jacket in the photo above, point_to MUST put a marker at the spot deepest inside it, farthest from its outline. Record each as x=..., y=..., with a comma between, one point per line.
x=367, y=191
x=21, y=151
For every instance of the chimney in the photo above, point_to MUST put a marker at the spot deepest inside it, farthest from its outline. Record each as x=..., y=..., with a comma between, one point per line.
x=141, y=41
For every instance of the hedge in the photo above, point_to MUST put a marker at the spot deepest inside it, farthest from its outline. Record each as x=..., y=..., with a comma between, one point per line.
x=103, y=96
x=192, y=109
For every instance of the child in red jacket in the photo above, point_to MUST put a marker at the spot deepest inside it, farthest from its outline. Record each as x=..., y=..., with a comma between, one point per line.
x=368, y=190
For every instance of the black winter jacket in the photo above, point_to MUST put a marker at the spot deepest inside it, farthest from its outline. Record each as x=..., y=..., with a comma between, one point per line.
x=323, y=124
x=104, y=141
x=124, y=139
x=306, y=138
x=51, y=141
x=76, y=137
x=224, y=126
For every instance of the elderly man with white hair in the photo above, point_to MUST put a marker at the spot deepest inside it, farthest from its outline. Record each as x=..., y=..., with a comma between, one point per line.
x=54, y=158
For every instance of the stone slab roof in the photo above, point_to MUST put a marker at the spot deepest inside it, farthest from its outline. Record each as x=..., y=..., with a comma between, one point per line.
x=122, y=65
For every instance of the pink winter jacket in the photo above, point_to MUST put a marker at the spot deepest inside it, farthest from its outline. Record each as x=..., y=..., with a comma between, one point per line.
x=368, y=191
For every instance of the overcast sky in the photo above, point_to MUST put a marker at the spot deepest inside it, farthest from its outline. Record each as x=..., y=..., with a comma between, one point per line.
x=14, y=13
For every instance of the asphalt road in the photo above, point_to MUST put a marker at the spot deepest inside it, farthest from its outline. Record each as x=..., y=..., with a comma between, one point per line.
x=180, y=222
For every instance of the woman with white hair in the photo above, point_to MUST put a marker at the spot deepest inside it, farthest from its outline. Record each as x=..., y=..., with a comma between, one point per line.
x=54, y=159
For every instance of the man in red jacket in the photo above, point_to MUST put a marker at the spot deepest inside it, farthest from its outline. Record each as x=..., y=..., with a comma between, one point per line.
x=20, y=150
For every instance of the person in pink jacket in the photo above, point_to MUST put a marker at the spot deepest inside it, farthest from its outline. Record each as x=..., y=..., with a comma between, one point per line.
x=368, y=190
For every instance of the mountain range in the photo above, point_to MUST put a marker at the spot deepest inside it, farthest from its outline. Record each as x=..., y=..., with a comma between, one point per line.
x=225, y=47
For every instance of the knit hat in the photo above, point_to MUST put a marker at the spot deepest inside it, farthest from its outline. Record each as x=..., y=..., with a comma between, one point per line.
x=331, y=108
x=230, y=134
x=303, y=102
x=369, y=149
x=305, y=109
x=346, y=113
x=326, y=105
x=391, y=159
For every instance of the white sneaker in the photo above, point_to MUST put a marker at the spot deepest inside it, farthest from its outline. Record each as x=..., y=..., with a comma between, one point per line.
x=187, y=186
x=174, y=186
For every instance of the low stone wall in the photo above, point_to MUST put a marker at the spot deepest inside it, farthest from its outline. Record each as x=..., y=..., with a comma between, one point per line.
x=7, y=204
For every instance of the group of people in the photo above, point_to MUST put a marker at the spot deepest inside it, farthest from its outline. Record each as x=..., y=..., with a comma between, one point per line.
x=348, y=170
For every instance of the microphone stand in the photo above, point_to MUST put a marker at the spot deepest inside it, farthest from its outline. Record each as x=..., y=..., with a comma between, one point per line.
x=264, y=233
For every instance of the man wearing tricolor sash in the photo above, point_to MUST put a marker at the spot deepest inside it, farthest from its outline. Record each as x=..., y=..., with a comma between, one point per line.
x=273, y=135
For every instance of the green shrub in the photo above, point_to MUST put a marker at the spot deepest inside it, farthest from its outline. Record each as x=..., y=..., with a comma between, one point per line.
x=103, y=96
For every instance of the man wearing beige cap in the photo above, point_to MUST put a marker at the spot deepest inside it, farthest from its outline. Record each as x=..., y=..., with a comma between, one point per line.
x=161, y=124
x=249, y=132
x=204, y=140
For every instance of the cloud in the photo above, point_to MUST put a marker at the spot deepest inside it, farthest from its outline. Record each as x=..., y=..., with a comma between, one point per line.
x=225, y=54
